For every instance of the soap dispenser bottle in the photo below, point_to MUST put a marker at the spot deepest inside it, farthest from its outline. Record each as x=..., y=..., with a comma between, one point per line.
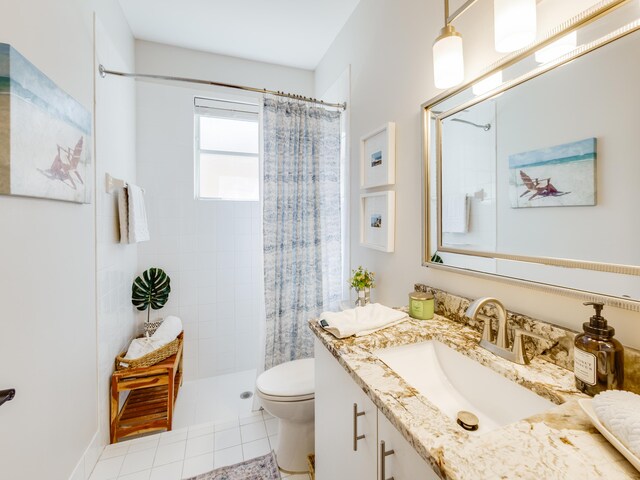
x=598, y=357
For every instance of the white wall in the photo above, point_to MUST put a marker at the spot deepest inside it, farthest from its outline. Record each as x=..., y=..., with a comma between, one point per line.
x=116, y=263
x=159, y=59
x=210, y=249
x=391, y=76
x=48, y=288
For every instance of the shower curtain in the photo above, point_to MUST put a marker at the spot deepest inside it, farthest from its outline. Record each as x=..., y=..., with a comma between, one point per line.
x=301, y=223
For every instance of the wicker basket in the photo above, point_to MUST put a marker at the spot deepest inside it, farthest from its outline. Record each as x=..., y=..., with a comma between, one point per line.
x=151, y=358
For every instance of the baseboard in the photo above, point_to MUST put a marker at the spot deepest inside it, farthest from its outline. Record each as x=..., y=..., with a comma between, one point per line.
x=88, y=460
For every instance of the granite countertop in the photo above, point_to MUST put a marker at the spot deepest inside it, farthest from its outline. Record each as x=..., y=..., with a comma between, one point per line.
x=558, y=444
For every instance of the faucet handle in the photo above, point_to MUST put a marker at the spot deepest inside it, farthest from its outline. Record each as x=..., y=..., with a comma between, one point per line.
x=519, y=352
x=486, y=329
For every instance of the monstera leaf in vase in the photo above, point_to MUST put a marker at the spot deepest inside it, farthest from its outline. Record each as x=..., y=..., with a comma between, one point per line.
x=151, y=289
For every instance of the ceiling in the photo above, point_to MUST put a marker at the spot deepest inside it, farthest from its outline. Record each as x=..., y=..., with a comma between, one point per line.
x=295, y=33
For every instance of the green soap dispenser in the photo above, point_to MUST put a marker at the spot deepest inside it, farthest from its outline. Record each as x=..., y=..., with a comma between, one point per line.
x=598, y=358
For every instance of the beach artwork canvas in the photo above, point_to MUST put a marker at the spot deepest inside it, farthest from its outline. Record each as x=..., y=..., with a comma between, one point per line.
x=45, y=135
x=559, y=176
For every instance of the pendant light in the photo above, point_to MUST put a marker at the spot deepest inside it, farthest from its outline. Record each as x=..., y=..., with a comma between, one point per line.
x=514, y=24
x=514, y=28
x=448, y=59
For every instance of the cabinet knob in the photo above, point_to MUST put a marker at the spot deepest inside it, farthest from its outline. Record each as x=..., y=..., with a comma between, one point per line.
x=356, y=437
x=384, y=453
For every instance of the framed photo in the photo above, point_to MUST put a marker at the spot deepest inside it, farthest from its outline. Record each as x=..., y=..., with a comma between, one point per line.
x=378, y=157
x=377, y=220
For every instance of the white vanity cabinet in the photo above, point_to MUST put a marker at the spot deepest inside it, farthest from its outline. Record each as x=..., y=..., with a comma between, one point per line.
x=335, y=396
x=404, y=463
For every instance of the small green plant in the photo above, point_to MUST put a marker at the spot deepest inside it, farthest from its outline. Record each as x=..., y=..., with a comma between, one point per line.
x=361, y=278
x=151, y=289
x=435, y=258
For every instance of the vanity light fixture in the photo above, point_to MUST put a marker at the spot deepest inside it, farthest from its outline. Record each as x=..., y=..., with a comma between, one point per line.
x=448, y=58
x=560, y=47
x=515, y=27
x=514, y=24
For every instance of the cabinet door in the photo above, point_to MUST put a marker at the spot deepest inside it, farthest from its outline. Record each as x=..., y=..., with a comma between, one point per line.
x=335, y=396
x=404, y=463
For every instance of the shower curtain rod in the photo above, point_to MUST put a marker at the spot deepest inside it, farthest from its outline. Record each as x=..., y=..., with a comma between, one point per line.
x=104, y=72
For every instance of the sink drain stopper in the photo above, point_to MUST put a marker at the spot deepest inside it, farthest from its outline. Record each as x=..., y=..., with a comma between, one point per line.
x=468, y=421
x=245, y=395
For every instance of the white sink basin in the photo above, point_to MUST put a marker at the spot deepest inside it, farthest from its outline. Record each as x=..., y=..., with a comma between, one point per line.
x=454, y=382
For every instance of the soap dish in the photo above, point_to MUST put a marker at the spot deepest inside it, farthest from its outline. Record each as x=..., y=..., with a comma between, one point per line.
x=587, y=407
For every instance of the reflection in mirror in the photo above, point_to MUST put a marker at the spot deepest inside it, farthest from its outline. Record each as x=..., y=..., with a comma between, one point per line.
x=538, y=182
x=469, y=178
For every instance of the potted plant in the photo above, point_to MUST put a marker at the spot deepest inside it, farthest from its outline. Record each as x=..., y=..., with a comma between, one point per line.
x=363, y=281
x=151, y=289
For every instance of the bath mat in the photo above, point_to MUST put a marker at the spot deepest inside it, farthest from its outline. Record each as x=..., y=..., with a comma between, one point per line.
x=260, y=468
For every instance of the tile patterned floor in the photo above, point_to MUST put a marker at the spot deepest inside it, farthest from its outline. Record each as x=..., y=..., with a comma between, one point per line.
x=189, y=451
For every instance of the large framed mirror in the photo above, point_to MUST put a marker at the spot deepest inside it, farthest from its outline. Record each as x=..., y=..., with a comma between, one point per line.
x=532, y=171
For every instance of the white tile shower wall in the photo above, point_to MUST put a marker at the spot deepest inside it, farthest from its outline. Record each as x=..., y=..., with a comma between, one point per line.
x=210, y=249
x=116, y=263
x=471, y=152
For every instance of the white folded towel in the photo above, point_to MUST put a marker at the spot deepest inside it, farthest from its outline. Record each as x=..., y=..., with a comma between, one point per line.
x=140, y=347
x=619, y=411
x=167, y=332
x=123, y=215
x=361, y=321
x=138, y=227
x=455, y=214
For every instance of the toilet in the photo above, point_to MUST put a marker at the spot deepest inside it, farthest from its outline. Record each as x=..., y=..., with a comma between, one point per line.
x=286, y=391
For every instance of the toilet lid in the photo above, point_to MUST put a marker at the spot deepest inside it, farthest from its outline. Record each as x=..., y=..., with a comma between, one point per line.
x=290, y=379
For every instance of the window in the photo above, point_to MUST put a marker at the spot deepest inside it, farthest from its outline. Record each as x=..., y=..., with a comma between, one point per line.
x=227, y=150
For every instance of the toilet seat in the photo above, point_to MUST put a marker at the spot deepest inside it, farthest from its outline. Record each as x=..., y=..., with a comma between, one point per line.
x=288, y=382
x=276, y=398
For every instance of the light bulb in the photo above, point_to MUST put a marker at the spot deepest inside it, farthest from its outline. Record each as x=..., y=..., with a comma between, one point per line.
x=515, y=24
x=558, y=48
x=448, y=58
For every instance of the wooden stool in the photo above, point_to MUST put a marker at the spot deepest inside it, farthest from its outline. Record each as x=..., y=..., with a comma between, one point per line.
x=153, y=392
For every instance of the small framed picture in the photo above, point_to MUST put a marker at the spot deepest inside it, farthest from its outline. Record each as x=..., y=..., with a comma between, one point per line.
x=378, y=157
x=377, y=220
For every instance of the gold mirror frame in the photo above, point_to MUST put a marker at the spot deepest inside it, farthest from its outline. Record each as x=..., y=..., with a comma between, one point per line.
x=428, y=114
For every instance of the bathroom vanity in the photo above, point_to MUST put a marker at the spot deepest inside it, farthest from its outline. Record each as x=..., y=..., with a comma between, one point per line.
x=349, y=437
x=378, y=422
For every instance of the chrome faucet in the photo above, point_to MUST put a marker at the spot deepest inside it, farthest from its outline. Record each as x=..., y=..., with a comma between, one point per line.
x=500, y=346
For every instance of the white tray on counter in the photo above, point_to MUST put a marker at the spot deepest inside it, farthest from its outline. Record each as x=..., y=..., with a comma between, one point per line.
x=587, y=407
